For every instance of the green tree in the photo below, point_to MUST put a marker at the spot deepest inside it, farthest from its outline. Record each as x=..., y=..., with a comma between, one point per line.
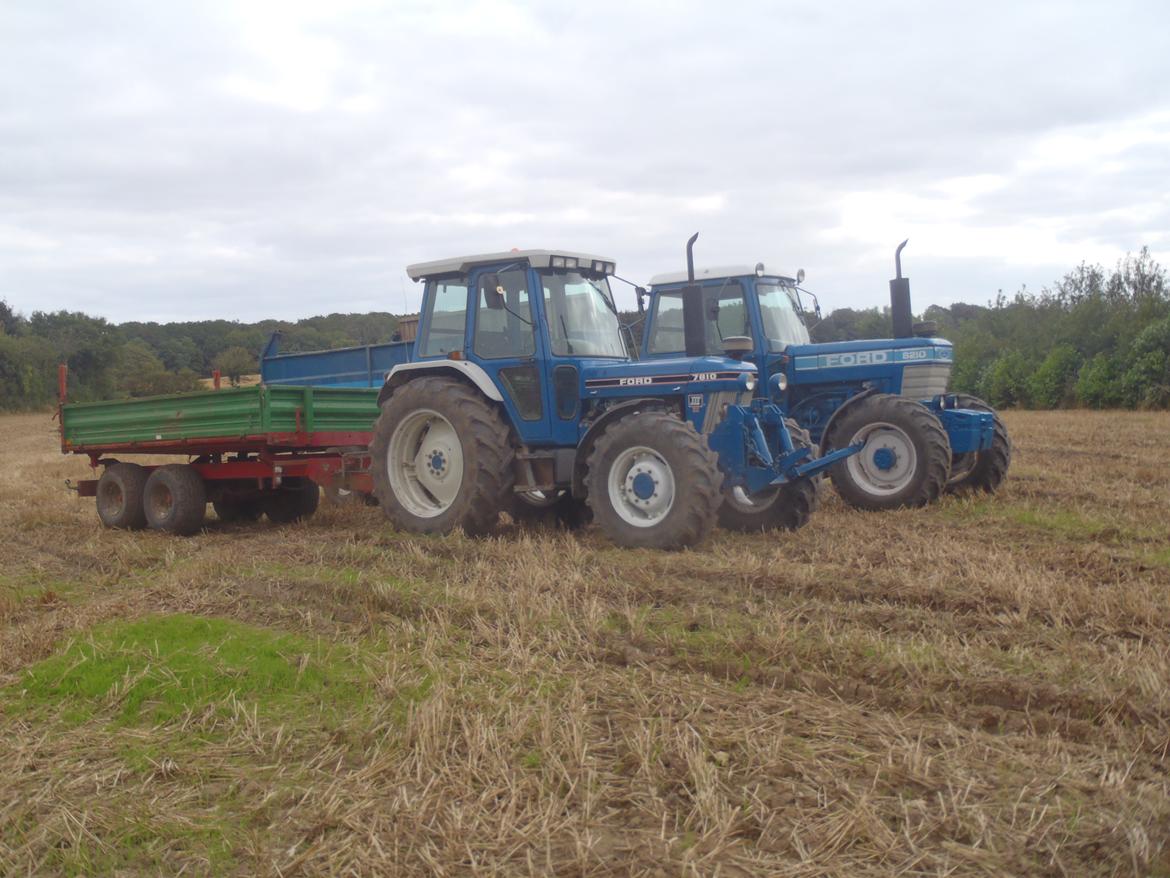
x=1053, y=384
x=1005, y=383
x=1098, y=382
x=234, y=363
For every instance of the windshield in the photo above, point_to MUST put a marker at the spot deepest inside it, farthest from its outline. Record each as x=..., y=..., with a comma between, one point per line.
x=780, y=313
x=582, y=320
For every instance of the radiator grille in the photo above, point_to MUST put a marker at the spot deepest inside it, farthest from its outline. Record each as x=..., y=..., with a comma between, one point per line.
x=714, y=414
x=926, y=380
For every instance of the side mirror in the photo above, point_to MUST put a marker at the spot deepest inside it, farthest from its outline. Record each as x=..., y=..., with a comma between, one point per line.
x=493, y=293
x=640, y=292
x=713, y=310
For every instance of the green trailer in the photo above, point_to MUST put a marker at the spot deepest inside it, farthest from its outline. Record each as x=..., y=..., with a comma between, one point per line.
x=251, y=451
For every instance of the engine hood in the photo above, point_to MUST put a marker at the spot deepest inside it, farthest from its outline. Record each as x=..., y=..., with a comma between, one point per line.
x=676, y=375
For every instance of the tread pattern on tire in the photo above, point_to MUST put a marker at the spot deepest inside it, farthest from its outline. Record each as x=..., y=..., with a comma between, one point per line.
x=935, y=457
x=794, y=503
x=696, y=468
x=487, y=447
x=188, y=499
x=991, y=466
x=131, y=481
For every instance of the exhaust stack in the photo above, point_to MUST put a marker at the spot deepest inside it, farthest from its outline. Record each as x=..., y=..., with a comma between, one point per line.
x=694, y=328
x=903, y=319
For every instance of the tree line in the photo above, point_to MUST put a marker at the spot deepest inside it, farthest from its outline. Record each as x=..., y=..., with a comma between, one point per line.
x=1097, y=337
x=108, y=361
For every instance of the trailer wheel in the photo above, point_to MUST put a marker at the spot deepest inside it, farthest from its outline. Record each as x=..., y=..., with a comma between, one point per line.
x=906, y=458
x=119, y=496
x=981, y=470
x=175, y=499
x=787, y=507
x=441, y=458
x=653, y=482
x=561, y=509
x=295, y=500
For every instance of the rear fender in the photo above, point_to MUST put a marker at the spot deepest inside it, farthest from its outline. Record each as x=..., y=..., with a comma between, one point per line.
x=461, y=369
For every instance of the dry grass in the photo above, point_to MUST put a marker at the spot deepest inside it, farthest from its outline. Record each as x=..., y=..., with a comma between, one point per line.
x=980, y=688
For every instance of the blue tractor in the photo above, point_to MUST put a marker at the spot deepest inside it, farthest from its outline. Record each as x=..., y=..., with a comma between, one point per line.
x=519, y=393
x=887, y=395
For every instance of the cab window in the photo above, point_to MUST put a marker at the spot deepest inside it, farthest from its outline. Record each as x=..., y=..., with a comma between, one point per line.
x=445, y=319
x=725, y=311
x=503, y=318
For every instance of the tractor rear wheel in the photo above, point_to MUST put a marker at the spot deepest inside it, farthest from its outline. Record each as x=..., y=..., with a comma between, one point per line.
x=905, y=459
x=441, y=458
x=119, y=496
x=175, y=499
x=787, y=507
x=981, y=470
x=653, y=482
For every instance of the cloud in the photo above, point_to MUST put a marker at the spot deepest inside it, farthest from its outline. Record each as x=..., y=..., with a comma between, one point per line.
x=163, y=161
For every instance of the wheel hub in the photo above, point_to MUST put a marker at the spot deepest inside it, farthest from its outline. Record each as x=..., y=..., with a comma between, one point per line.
x=887, y=462
x=424, y=461
x=641, y=486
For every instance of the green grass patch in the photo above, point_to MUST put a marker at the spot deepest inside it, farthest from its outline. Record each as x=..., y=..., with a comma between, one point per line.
x=159, y=668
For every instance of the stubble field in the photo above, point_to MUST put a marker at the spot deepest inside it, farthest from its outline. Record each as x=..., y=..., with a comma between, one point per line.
x=977, y=688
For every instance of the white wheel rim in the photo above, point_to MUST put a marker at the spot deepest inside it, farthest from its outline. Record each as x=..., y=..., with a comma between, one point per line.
x=888, y=461
x=739, y=498
x=539, y=499
x=641, y=486
x=425, y=463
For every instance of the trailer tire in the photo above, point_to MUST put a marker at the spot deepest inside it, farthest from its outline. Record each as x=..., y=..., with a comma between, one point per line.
x=441, y=458
x=787, y=507
x=987, y=470
x=175, y=499
x=295, y=500
x=653, y=482
x=119, y=496
x=906, y=458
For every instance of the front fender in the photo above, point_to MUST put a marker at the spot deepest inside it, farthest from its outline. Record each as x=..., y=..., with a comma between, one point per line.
x=853, y=400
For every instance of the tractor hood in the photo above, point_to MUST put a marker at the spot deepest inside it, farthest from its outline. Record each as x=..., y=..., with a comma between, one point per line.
x=874, y=353
x=662, y=377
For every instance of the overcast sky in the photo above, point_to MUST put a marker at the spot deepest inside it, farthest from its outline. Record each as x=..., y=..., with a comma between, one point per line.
x=169, y=161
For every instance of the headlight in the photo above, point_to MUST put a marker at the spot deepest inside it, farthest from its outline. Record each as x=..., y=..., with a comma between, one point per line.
x=750, y=383
x=777, y=384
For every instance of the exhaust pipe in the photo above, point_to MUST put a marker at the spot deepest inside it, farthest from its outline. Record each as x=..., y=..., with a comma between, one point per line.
x=694, y=328
x=903, y=319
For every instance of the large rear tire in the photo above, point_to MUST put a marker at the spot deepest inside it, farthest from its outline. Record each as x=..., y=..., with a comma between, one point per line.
x=441, y=458
x=982, y=470
x=653, y=482
x=119, y=496
x=906, y=458
x=175, y=499
x=787, y=507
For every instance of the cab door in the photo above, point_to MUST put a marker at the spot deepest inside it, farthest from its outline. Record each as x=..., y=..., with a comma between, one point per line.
x=504, y=342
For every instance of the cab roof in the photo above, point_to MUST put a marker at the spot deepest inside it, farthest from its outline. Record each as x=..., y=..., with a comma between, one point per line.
x=535, y=258
x=715, y=272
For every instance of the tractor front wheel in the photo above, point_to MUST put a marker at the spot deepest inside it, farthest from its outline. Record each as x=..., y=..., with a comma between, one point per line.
x=905, y=458
x=981, y=470
x=653, y=482
x=442, y=458
x=787, y=507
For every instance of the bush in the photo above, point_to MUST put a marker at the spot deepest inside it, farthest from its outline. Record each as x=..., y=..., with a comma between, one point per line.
x=1053, y=384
